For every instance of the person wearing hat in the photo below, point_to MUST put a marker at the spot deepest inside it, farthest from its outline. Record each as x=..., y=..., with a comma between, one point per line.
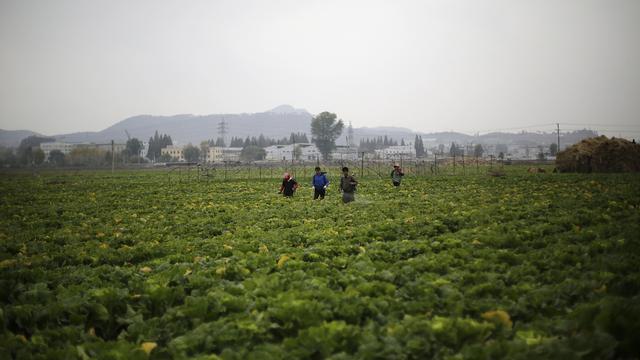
x=289, y=185
x=320, y=184
x=396, y=175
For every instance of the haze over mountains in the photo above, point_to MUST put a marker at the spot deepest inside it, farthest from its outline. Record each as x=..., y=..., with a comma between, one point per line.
x=276, y=123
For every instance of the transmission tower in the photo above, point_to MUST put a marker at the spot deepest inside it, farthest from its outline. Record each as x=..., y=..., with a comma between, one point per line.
x=222, y=130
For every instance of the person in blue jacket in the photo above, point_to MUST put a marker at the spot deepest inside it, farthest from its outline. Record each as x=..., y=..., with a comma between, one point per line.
x=320, y=184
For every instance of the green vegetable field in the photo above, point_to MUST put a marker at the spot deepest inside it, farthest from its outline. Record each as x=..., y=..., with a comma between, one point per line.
x=133, y=266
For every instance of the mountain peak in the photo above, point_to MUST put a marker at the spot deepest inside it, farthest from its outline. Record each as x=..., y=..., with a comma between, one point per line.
x=287, y=109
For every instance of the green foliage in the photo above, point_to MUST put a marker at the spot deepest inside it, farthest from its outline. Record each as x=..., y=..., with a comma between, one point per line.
x=156, y=144
x=252, y=153
x=324, y=131
x=520, y=267
x=419, y=146
x=478, y=150
x=191, y=153
x=56, y=157
x=88, y=156
x=133, y=148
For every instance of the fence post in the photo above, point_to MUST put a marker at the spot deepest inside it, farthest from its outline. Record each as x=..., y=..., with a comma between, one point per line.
x=464, y=170
x=435, y=163
x=454, y=161
x=362, y=165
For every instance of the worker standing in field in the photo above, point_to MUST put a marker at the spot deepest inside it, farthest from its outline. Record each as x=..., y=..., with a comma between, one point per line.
x=320, y=184
x=347, y=186
x=396, y=175
x=289, y=185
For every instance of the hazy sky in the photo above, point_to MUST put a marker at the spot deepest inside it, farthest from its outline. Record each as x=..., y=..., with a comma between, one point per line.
x=472, y=65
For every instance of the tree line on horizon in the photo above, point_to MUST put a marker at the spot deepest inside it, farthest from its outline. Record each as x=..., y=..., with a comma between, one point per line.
x=326, y=128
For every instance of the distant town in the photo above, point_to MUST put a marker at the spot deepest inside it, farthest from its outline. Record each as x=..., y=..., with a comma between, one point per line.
x=260, y=138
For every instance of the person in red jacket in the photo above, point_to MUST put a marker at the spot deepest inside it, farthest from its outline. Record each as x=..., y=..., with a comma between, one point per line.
x=289, y=185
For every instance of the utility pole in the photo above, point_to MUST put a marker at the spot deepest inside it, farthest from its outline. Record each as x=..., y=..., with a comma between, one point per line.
x=113, y=157
x=558, y=125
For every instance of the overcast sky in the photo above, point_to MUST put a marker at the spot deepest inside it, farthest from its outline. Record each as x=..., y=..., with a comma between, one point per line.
x=83, y=65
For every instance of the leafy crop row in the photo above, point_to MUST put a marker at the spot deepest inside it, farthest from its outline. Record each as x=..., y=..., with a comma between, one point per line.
x=131, y=266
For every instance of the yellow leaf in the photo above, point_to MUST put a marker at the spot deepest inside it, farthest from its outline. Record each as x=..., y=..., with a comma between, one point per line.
x=145, y=269
x=91, y=331
x=7, y=263
x=221, y=270
x=148, y=346
x=500, y=316
x=100, y=234
x=104, y=245
x=601, y=289
x=476, y=242
x=264, y=249
x=227, y=247
x=188, y=272
x=22, y=338
x=283, y=259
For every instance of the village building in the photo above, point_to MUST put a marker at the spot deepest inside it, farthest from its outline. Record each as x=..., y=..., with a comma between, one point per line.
x=175, y=152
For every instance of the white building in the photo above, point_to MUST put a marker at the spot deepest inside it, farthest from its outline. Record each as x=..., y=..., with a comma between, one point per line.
x=397, y=152
x=214, y=154
x=117, y=148
x=305, y=152
x=231, y=153
x=344, y=152
x=176, y=152
x=63, y=147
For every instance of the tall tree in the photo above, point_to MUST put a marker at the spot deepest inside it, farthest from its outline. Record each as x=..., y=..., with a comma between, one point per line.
x=156, y=143
x=324, y=131
x=553, y=149
x=133, y=147
x=191, y=153
x=220, y=142
x=38, y=156
x=419, y=145
x=56, y=157
x=478, y=150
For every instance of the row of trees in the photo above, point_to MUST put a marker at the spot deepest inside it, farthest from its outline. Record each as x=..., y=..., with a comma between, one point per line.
x=262, y=141
x=156, y=143
x=376, y=143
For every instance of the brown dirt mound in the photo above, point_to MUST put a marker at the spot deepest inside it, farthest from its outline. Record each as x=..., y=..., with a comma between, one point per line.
x=600, y=154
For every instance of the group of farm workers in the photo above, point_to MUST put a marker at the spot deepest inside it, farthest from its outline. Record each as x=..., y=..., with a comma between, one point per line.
x=320, y=183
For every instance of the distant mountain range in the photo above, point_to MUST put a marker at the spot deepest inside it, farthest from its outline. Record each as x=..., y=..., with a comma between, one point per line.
x=276, y=123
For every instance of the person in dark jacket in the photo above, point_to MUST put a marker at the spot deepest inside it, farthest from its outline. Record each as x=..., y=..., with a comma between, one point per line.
x=347, y=186
x=320, y=184
x=396, y=175
x=289, y=185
